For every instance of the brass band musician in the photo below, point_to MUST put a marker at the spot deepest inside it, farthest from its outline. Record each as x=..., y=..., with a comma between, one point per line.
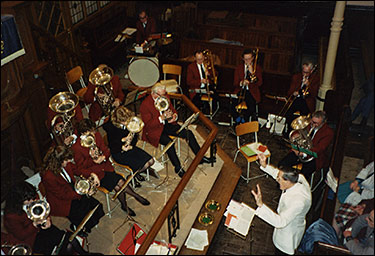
x=91, y=155
x=122, y=142
x=304, y=101
x=96, y=93
x=199, y=76
x=247, y=80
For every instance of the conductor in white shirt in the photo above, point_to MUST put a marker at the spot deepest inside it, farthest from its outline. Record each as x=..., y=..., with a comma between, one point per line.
x=295, y=202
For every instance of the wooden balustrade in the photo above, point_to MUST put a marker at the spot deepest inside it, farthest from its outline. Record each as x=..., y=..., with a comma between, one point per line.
x=184, y=180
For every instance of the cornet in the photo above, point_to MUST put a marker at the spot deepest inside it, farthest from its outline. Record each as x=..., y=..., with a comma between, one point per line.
x=87, y=186
x=88, y=141
x=135, y=125
x=38, y=211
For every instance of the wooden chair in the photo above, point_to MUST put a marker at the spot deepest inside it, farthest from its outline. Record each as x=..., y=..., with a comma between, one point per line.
x=172, y=85
x=243, y=129
x=72, y=76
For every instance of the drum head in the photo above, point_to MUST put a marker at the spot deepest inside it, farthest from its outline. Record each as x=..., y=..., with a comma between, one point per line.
x=143, y=72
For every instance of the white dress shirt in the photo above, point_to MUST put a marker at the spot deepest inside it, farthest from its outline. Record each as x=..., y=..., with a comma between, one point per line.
x=201, y=75
x=289, y=221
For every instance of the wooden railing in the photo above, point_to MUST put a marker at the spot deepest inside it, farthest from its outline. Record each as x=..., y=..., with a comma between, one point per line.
x=184, y=180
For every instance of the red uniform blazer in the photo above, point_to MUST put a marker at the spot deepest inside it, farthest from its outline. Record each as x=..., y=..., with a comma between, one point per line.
x=321, y=141
x=193, y=78
x=85, y=164
x=51, y=114
x=95, y=112
x=59, y=192
x=239, y=75
x=295, y=85
x=20, y=229
x=144, y=33
x=150, y=116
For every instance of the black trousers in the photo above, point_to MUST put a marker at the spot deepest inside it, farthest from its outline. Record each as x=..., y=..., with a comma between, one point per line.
x=80, y=207
x=171, y=129
x=204, y=105
x=307, y=168
x=251, y=107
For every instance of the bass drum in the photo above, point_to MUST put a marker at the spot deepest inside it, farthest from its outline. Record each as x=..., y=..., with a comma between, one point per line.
x=144, y=72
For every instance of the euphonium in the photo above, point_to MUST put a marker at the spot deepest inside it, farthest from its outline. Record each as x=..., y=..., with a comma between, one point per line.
x=38, y=210
x=63, y=103
x=101, y=77
x=300, y=136
x=87, y=186
x=88, y=141
x=134, y=125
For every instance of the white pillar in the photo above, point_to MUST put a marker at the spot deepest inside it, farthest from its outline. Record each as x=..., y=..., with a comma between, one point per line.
x=336, y=27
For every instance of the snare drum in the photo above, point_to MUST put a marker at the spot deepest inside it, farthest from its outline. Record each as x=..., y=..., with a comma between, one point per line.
x=144, y=72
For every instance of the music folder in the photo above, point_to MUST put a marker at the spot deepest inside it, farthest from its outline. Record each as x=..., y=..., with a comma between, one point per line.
x=133, y=96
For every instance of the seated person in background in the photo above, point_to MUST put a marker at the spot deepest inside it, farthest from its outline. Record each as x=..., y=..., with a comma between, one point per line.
x=100, y=100
x=360, y=238
x=122, y=143
x=304, y=102
x=145, y=27
x=197, y=78
x=68, y=130
x=94, y=158
x=290, y=219
x=159, y=125
x=59, y=182
x=347, y=214
x=247, y=80
x=42, y=238
x=352, y=192
x=321, y=137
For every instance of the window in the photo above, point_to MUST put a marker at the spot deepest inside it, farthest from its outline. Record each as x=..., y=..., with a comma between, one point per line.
x=91, y=7
x=76, y=11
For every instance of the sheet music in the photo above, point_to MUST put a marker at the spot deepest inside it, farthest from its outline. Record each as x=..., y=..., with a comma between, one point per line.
x=129, y=31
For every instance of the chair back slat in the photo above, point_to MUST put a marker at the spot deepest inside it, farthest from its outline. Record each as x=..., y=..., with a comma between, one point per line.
x=248, y=127
x=74, y=74
x=172, y=69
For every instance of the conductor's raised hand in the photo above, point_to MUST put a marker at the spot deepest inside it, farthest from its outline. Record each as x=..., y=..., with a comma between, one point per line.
x=258, y=196
x=262, y=160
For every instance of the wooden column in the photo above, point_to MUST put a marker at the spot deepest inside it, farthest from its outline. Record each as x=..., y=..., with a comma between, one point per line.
x=336, y=27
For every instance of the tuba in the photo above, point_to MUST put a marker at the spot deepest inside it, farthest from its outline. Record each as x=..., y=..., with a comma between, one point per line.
x=134, y=125
x=101, y=78
x=300, y=137
x=63, y=103
x=88, y=141
x=87, y=186
x=38, y=211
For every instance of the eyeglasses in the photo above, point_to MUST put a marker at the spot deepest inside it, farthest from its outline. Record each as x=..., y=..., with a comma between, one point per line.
x=142, y=18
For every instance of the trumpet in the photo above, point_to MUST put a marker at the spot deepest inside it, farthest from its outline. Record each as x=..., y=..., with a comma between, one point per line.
x=88, y=141
x=101, y=77
x=87, y=186
x=63, y=103
x=134, y=125
x=162, y=104
x=38, y=211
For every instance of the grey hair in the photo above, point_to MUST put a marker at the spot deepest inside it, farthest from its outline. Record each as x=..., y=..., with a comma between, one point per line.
x=308, y=64
x=157, y=86
x=289, y=174
x=320, y=114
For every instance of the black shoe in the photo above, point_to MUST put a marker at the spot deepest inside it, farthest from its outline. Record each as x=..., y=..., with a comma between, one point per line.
x=142, y=200
x=153, y=173
x=82, y=233
x=179, y=171
x=140, y=177
x=206, y=160
x=131, y=212
x=72, y=227
x=136, y=183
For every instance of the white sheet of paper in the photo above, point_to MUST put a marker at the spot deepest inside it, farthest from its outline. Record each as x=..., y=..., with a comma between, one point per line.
x=138, y=49
x=197, y=239
x=331, y=180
